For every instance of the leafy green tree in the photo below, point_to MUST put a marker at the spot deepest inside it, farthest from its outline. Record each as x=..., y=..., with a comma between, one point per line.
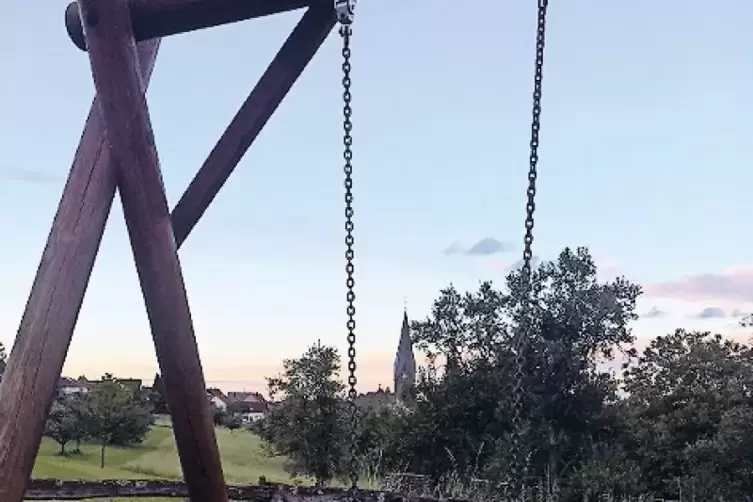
x=690, y=415
x=63, y=424
x=77, y=406
x=137, y=421
x=219, y=416
x=380, y=441
x=116, y=415
x=462, y=420
x=157, y=397
x=307, y=424
x=232, y=422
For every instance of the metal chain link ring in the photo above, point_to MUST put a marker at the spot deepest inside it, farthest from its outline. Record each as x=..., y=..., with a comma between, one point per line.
x=519, y=457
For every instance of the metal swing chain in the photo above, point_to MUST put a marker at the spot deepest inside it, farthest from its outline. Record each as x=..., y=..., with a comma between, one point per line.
x=526, y=269
x=344, y=10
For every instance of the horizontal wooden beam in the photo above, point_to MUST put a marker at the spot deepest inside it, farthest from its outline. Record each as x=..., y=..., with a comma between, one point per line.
x=53, y=489
x=160, y=18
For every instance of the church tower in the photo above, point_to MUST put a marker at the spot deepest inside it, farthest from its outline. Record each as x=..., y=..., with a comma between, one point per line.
x=405, y=363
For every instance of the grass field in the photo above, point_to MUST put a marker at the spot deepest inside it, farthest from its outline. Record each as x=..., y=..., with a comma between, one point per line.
x=242, y=459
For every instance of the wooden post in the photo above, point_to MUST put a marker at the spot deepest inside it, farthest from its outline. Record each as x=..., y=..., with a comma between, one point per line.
x=273, y=86
x=117, y=79
x=49, y=318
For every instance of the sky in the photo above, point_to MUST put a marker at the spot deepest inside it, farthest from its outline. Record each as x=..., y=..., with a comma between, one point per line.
x=645, y=158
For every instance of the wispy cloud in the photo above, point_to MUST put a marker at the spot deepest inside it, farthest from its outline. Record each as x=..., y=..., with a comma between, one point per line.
x=711, y=313
x=454, y=248
x=28, y=176
x=739, y=314
x=485, y=247
x=731, y=285
x=653, y=313
x=488, y=246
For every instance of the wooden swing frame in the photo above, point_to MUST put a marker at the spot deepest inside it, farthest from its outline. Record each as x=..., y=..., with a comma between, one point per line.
x=117, y=151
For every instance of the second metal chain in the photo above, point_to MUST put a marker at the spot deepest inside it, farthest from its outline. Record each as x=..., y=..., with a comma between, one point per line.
x=345, y=33
x=519, y=460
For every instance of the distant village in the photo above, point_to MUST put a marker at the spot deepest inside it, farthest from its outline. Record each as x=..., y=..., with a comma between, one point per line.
x=253, y=406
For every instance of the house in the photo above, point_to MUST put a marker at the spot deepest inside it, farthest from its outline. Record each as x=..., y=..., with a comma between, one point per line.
x=252, y=406
x=134, y=384
x=374, y=400
x=218, y=399
x=69, y=386
x=81, y=385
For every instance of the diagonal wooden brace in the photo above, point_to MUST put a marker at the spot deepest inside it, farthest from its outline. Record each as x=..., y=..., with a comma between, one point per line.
x=273, y=86
x=117, y=79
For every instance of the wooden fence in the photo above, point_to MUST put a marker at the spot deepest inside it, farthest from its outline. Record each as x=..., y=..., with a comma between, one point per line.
x=413, y=491
x=55, y=489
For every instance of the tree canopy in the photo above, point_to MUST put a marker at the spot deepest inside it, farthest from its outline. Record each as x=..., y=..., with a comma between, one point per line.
x=678, y=420
x=307, y=424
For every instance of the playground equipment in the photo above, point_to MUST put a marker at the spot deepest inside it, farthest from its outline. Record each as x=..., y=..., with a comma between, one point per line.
x=117, y=151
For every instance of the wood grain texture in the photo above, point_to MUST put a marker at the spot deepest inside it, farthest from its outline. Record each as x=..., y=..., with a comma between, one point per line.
x=117, y=79
x=161, y=18
x=273, y=86
x=52, y=308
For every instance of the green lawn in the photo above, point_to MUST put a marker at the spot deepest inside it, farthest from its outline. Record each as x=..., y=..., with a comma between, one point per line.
x=242, y=459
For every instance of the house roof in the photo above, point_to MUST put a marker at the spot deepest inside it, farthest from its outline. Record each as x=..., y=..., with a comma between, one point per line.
x=70, y=382
x=217, y=394
x=246, y=397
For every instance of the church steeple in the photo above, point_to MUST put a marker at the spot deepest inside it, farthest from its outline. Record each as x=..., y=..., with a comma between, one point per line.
x=405, y=362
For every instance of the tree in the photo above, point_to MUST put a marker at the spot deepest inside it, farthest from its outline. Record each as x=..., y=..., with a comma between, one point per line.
x=307, y=425
x=462, y=421
x=78, y=406
x=232, y=422
x=380, y=441
x=116, y=414
x=218, y=414
x=157, y=396
x=689, y=415
x=63, y=424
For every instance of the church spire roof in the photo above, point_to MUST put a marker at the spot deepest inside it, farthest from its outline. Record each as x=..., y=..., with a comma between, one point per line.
x=405, y=362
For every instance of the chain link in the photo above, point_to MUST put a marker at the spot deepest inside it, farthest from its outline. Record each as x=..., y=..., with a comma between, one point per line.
x=345, y=33
x=519, y=456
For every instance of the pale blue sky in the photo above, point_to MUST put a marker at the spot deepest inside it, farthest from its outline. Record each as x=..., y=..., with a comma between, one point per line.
x=645, y=158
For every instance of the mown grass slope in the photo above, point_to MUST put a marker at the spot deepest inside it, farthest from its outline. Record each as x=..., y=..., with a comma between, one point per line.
x=243, y=459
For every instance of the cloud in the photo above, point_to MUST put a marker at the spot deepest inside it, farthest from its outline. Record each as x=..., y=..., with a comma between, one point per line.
x=29, y=176
x=737, y=314
x=711, y=313
x=731, y=285
x=653, y=313
x=485, y=247
x=454, y=248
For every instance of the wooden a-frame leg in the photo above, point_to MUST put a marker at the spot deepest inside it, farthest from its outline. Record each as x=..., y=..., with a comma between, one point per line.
x=48, y=321
x=117, y=79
